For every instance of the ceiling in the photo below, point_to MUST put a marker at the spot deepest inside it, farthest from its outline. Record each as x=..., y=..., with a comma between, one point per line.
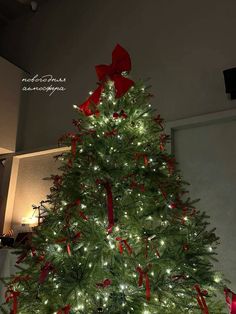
x=10, y=10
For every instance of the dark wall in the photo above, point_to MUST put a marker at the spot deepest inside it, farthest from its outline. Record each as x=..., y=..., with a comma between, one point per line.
x=182, y=45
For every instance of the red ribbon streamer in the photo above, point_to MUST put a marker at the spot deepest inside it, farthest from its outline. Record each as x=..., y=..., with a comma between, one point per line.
x=230, y=301
x=144, y=156
x=12, y=295
x=200, y=299
x=45, y=271
x=110, y=211
x=65, y=310
x=120, y=62
x=159, y=121
x=143, y=274
x=121, y=242
x=106, y=283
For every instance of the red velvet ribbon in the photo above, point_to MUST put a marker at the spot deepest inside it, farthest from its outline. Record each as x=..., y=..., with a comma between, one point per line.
x=122, y=114
x=144, y=156
x=111, y=133
x=170, y=164
x=200, y=299
x=65, y=310
x=82, y=215
x=159, y=121
x=57, y=180
x=45, y=271
x=134, y=185
x=163, y=139
x=143, y=274
x=23, y=256
x=12, y=295
x=125, y=242
x=110, y=210
x=106, y=283
x=67, y=241
x=120, y=62
x=231, y=301
x=21, y=278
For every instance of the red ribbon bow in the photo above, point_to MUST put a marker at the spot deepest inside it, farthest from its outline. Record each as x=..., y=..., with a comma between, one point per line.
x=65, y=310
x=122, y=114
x=121, y=242
x=106, y=283
x=143, y=274
x=67, y=241
x=230, y=301
x=45, y=271
x=120, y=62
x=12, y=295
x=200, y=299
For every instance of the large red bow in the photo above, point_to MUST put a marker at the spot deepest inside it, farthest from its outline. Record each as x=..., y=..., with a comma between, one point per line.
x=230, y=301
x=120, y=62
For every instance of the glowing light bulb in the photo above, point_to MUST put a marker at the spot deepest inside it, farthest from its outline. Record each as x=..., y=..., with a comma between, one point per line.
x=46, y=302
x=162, y=242
x=168, y=270
x=217, y=278
x=75, y=106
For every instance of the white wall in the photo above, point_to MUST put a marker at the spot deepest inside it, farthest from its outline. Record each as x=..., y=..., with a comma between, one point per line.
x=182, y=45
x=10, y=90
x=206, y=154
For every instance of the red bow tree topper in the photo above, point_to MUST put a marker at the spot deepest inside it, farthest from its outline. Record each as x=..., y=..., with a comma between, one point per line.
x=121, y=62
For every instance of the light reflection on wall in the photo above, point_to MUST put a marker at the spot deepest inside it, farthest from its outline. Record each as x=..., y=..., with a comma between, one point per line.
x=27, y=186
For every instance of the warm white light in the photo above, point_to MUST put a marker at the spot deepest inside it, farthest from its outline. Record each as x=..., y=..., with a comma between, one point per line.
x=217, y=278
x=162, y=242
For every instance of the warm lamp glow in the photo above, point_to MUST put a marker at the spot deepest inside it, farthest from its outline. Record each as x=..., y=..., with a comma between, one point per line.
x=31, y=221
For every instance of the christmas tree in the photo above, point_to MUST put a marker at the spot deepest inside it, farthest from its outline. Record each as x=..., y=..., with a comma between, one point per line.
x=119, y=234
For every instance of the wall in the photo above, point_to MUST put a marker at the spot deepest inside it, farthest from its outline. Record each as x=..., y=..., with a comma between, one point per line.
x=206, y=154
x=10, y=81
x=27, y=186
x=182, y=45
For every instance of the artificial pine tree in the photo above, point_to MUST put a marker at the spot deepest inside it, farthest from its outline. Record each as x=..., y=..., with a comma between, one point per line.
x=121, y=234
